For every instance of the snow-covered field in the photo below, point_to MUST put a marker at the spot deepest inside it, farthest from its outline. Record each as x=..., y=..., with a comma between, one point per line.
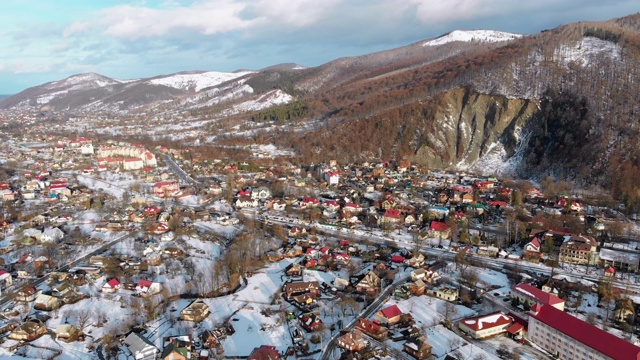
x=473, y=35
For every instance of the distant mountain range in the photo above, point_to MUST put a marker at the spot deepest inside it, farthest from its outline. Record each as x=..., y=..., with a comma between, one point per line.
x=564, y=102
x=4, y=96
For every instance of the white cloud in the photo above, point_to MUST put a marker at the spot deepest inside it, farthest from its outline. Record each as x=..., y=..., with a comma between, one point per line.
x=206, y=17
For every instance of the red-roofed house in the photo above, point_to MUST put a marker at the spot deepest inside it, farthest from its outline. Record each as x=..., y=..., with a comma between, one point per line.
x=353, y=341
x=391, y=216
x=487, y=325
x=439, y=230
x=389, y=315
x=147, y=288
x=332, y=177
x=526, y=293
x=568, y=337
x=372, y=329
x=532, y=250
x=309, y=202
x=165, y=188
x=265, y=352
x=111, y=286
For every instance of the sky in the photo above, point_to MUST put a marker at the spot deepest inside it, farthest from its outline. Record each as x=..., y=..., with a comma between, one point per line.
x=48, y=40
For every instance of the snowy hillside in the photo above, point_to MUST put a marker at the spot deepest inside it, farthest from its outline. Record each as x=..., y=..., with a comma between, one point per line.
x=269, y=99
x=473, y=35
x=198, y=80
x=81, y=82
x=589, y=49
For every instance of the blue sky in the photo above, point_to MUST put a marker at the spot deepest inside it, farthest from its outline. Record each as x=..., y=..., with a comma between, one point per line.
x=46, y=40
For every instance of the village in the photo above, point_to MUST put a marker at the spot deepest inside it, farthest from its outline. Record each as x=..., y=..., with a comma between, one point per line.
x=111, y=249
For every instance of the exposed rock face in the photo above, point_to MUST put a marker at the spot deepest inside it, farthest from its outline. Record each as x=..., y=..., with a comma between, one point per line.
x=470, y=127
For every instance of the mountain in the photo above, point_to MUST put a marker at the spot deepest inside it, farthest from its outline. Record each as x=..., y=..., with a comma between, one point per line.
x=561, y=103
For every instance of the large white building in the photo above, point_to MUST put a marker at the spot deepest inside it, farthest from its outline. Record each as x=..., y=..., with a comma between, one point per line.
x=568, y=337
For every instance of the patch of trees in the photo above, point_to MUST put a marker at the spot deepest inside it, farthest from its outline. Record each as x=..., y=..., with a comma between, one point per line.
x=293, y=110
x=602, y=34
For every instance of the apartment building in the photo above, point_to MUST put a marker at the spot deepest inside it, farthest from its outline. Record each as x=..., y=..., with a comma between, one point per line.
x=568, y=337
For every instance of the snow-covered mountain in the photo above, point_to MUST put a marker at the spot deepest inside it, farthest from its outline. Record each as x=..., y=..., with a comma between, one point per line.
x=196, y=81
x=473, y=35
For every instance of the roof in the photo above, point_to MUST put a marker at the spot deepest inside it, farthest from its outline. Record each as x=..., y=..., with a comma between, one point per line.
x=137, y=343
x=391, y=311
x=592, y=336
x=264, y=352
x=487, y=321
x=438, y=226
x=538, y=295
x=392, y=213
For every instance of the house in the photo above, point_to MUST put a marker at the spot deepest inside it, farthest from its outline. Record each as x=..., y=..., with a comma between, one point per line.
x=417, y=347
x=353, y=341
x=165, y=188
x=390, y=217
x=389, y=315
x=609, y=271
x=68, y=333
x=491, y=251
x=27, y=294
x=309, y=202
x=332, y=177
x=176, y=350
x=111, y=286
x=140, y=347
x=297, y=231
x=439, y=230
x=47, y=302
x=449, y=294
x=261, y=193
x=352, y=208
x=567, y=337
x=5, y=279
x=148, y=288
x=417, y=288
x=532, y=250
x=310, y=321
x=619, y=260
x=51, y=235
x=265, y=352
x=30, y=330
x=372, y=329
x=196, y=311
x=246, y=202
x=528, y=294
x=134, y=163
x=369, y=284
x=485, y=326
x=292, y=289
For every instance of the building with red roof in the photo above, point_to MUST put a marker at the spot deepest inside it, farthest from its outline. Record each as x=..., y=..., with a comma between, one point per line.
x=568, y=337
x=389, y=315
x=438, y=229
x=487, y=325
x=265, y=352
x=526, y=293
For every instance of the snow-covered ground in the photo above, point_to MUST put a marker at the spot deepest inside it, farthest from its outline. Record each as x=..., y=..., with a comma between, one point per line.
x=473, y=35
x=588, y=50
x=197, y=81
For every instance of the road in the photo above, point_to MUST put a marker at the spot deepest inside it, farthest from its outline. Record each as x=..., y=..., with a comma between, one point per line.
x=38, y=281
x=179, y=172
x=327, y=351
x=485, y=261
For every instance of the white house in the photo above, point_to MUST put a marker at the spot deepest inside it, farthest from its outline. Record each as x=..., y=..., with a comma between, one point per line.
x=86, y=149
x=332, y=177
x=51, y=235
x=148, y=288
x=246, y=202
x=261, y=193
x=141, y=347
